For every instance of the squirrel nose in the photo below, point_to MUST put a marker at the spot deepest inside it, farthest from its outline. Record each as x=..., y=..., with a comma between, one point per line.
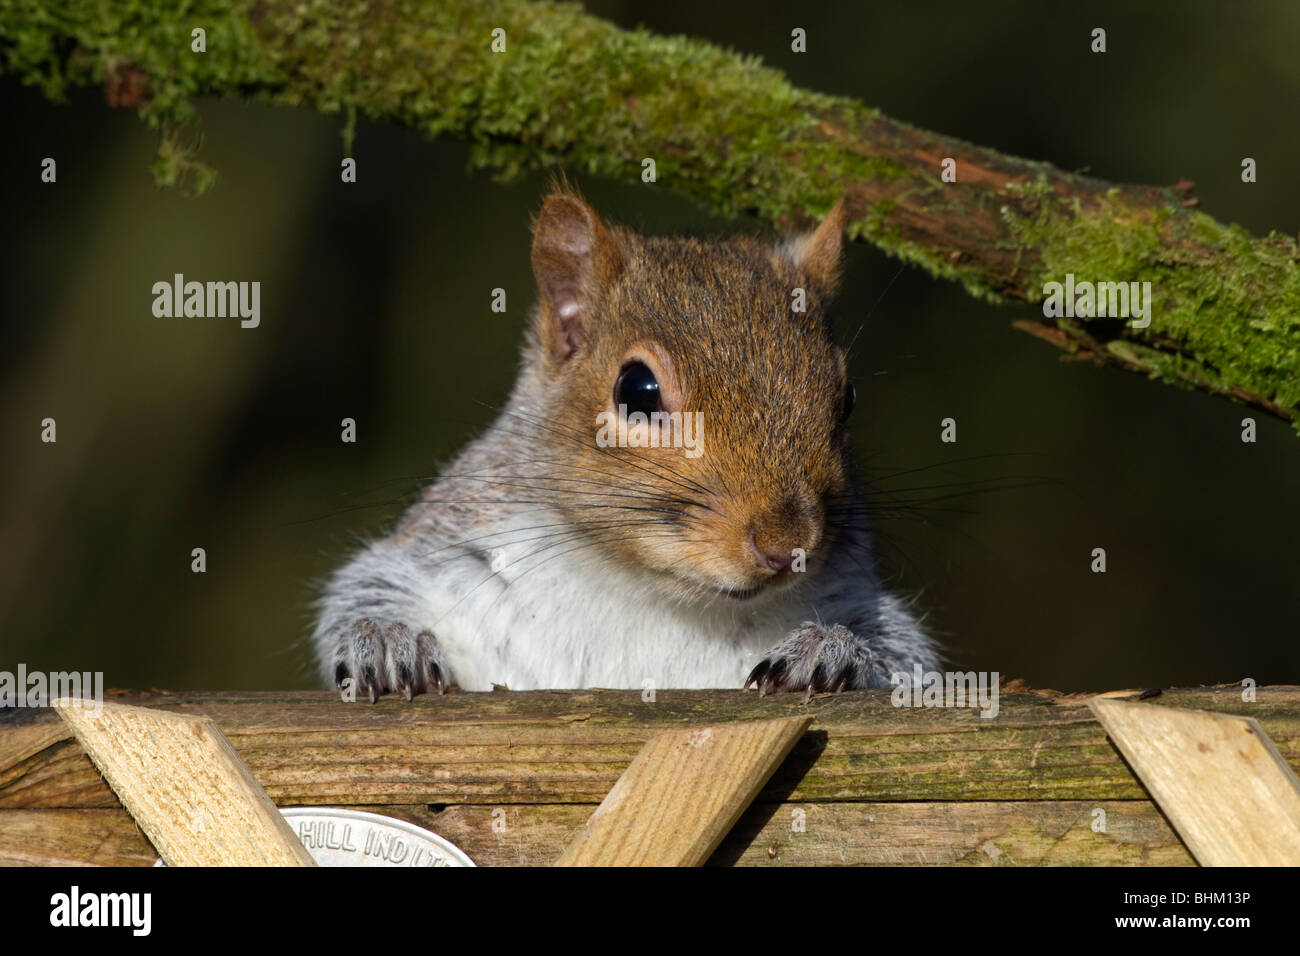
x=774, y=561
x=788, y=524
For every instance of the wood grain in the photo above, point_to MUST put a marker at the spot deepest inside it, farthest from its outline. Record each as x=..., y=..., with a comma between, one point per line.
x=570, y=747
x=1217, y=777
x=872, y=784
x=1008, y=833
x=682, y=793
x=185, y=786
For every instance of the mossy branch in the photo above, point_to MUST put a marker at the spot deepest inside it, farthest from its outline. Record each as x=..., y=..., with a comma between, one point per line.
x=572, y=90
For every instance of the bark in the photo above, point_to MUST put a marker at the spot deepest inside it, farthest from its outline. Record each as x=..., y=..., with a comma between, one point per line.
x=574, y=91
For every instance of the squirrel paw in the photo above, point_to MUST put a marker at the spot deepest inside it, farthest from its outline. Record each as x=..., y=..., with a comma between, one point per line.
x=814, y=658
x=381, y=660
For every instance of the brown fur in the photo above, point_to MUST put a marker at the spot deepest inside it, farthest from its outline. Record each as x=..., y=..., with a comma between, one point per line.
x=713, y=319
x=676, y=564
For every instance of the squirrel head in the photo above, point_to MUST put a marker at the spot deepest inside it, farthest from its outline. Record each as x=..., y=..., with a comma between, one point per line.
x=691, y=398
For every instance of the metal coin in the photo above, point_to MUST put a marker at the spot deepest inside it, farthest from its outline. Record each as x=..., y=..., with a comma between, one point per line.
x=337, y=837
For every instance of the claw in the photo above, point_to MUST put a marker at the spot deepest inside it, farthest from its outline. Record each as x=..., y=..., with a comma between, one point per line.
x=771, y=682
x=433, y=678
x=370, y=681
x=378, y=661
x=816, y=683
x=775, y=673
x=756, y=675
x=818, y=679
x=843, y=679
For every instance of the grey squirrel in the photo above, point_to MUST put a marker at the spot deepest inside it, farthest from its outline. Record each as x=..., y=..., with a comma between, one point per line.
x=664, y=499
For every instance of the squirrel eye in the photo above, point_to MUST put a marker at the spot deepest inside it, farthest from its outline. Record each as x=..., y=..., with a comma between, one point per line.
x=850, y=399
x=637, y=389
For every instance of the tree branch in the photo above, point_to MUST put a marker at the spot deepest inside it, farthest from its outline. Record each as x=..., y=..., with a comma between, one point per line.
x=724, y=130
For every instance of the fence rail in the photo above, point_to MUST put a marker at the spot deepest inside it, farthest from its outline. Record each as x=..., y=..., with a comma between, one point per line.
x=512, y=777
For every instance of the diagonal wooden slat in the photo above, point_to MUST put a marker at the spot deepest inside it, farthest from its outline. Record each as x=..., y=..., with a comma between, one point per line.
x=682, y=793
x=1218, y=778
x=188, y=790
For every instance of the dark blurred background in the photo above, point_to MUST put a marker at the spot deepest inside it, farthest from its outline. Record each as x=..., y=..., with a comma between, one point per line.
x=176, y=434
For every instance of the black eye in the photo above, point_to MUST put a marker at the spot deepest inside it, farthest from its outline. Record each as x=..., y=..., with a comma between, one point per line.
x=850, y=399
x=637, y=389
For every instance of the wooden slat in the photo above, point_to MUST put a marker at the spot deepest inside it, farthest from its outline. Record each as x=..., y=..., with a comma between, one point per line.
x=72, y=838
x=1030, y=833
x=550, y=747
x=185, y=786
x=876, y=785
x=1217, y=777
x=683, y=793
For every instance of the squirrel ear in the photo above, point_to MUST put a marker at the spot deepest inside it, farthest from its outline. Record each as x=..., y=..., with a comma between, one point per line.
x=575, y=259
x=818, y=253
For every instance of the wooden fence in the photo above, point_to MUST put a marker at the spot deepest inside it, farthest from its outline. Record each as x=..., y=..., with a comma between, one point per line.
x=511, y=778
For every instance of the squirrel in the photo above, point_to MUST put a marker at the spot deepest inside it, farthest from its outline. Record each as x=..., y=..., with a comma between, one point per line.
x=711, y=538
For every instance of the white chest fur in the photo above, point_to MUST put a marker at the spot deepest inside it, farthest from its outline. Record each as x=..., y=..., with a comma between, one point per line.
x=536, y=619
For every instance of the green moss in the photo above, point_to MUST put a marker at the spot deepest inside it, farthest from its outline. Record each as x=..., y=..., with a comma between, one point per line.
x=1226, y=310
x=723, y=129
x=570, y=89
